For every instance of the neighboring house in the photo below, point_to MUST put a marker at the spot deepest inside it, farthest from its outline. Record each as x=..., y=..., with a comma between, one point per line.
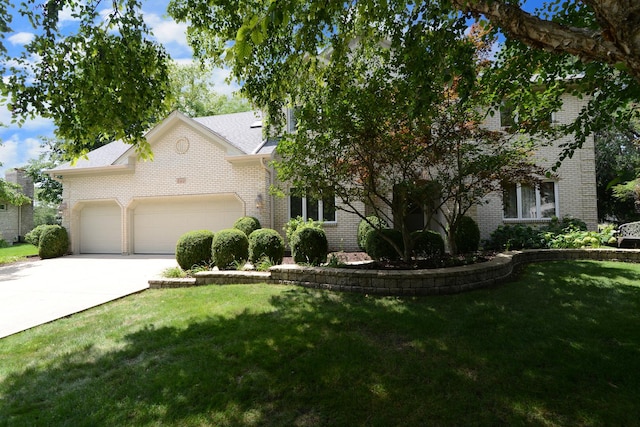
x=207, y=172
x=16, y=221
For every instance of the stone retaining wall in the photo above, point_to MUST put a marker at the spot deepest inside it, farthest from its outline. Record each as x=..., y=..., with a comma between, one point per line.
x=438, y=281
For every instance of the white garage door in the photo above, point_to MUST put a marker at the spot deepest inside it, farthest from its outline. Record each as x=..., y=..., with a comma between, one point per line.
x=100, y=228
x=158, y=224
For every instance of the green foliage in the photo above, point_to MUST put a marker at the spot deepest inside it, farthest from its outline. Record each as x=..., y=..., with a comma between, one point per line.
x=4, y=243
x=427, y=244
x=515, y=237
x=309, y=245
x=366, y=225
x=266, y=244
x=53, y=242
x=379, y=244
x=174, y=273
x=558, y=226
x=230, y=248
x=295, y=223
x=12, y=193
x=105, y=79
x=44, y=213
x=194, y=249
x=466, y=235
x=48, y=190
x=33, y=236
x=247, y=224
x=193, y=92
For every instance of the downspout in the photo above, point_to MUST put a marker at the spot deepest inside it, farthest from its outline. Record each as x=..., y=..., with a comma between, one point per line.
x=19, y=222
x=271, y=197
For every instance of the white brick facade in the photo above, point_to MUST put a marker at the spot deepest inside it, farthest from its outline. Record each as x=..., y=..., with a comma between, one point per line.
x=16, y=221
x=576, y=178
x=212, y=169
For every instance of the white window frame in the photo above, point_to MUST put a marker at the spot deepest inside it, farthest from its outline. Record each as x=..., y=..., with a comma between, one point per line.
x=320, y=212
x=537, y=218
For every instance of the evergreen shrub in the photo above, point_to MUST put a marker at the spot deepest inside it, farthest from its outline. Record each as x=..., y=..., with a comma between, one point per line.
x=309, y=245
x=247, y=224
x=194, y=249
x=230, y=248
x=53, y=242
x=268, y=243
x=378, y=246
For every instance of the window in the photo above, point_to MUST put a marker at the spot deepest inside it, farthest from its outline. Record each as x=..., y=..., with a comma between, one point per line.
x=525, y=202
x=292, y=120
x=3, y=207
x=507, y=117
x=317, y=210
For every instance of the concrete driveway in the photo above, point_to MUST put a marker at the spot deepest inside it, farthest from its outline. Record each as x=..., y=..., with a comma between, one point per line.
x=37, y=292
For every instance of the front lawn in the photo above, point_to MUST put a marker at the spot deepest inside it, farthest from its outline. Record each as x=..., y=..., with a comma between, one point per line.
x=559, y=346
x=17, y=252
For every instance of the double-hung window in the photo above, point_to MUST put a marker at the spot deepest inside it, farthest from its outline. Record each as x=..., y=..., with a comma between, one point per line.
x=317, y=210
x=522, y=201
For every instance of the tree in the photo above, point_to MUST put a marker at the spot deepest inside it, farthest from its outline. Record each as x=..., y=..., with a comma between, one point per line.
x=604, y=31
x=378, y=120
x=104, y=81
x=617, y=163
x=193, y=92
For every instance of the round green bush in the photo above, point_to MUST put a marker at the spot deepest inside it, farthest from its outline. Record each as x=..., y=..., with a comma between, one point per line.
x=230, y=248
x=33, y=236
x=365, y=227
x=309, y=245
x=247, y=224
x=268, y=243
x=53, y=242
x=427, y=244
x=194, y=249
x=467, y=235
x=378, y=246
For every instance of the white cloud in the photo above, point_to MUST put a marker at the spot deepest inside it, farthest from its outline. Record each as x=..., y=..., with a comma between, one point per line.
x=16, y=152
x=21, y=38
x=219, y=82
x=166, y=30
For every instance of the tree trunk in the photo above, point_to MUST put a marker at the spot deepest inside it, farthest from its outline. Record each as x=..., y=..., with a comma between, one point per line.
x=616, y=42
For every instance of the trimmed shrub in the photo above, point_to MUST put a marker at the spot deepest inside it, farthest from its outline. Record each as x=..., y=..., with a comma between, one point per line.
x=33, y=236
x=266, y=243
x=467, y=235
x=309, y=245
x=4, y=243
x=365, y=227
x=230, y=248
x=379, y=248
x=247, y=224
x=515, y=237
x=294, y=223
x=427, y=244
x=53, y=242
x=194, y=249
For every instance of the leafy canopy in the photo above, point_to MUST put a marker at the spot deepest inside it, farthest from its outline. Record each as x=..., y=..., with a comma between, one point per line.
x=103, y=80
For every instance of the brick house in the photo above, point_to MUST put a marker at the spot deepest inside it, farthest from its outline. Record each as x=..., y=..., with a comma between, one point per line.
x=16, y=221
x=207, y=172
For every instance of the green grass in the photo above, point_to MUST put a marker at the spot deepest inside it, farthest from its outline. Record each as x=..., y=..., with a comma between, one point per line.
x=17, y=252
x=559, y=346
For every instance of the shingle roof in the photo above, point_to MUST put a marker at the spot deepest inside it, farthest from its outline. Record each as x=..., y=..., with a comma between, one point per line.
x=242, y=130
x=237, y=129
x=103, y=156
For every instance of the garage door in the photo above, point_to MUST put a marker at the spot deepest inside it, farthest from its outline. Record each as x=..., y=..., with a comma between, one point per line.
x=158, y=224
x=100, y=228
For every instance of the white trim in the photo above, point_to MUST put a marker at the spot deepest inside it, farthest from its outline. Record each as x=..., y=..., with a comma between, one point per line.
x=305, y=214
x=537, y=218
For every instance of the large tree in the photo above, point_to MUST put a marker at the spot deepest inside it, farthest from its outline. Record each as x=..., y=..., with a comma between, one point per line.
x=193, y=92
x=604, y=31
x=387, y=100
x=103, y=78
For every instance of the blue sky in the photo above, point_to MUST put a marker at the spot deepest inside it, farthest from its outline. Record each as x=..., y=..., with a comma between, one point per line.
x=19, y=144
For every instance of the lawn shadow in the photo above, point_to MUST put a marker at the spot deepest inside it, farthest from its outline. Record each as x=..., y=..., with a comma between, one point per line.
x=549, y=349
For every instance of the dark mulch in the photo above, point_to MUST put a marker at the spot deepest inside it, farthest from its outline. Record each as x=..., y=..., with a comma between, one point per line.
x=360, y=260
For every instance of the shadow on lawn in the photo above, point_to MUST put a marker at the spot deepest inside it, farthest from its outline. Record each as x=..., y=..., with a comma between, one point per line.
x=557, y=347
